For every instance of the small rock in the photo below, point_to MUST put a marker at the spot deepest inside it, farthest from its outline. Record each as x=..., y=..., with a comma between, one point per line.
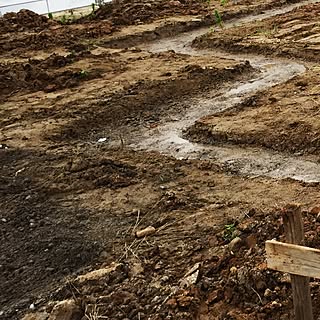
x=145, y=232
x=175, y=3
x=4, y=220
x=97, y=274
x=164, y=279
x=66, y=310
x=251, y=241
x=233, y=270
x=267, y=293
x=191, y=277
x=235, y=244
x=104, y=254
x=171, y=302
x=315, y=210
x=3, y=146
x=276, y=304
x=102, y=140
x=32, y=306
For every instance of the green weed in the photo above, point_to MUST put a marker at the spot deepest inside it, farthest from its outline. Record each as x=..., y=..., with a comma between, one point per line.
x=218, y=18
x=228, y=233
x=83, y=74
x=63, y=19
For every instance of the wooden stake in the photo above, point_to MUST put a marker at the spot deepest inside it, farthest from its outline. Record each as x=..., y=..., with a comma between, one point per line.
x=293, y=226
x=294, y=259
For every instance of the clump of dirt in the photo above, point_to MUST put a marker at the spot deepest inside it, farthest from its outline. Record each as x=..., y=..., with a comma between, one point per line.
x=93, y=173
x=133, y=12
x=40, y=75
x=232, y=282
x=64, y=35
x=24, y=20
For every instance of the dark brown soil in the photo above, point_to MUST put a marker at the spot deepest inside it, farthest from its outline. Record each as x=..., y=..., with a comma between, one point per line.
x=22, y=21
x=227, y=284
x=36, y=75
x=128, y=13
x=71, y=205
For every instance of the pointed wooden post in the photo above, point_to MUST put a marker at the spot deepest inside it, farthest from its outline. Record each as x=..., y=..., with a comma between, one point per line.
x=293, y=226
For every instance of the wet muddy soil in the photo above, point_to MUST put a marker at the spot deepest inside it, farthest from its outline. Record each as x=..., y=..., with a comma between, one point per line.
x=284, y=118
x=93, y=149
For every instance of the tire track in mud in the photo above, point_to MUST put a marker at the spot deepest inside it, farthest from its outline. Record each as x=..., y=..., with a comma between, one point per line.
x=168, y=138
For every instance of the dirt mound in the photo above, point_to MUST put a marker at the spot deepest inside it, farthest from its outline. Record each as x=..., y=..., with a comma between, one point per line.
x=40, y=75
x=23, y=20
x=92, y=173
x=132, y=12
x=64, y=35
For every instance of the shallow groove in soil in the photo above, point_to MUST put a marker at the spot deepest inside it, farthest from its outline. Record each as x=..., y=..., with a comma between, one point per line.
x=169, y=138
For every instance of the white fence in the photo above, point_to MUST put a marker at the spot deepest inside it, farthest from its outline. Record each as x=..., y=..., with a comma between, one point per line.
x=42, y=6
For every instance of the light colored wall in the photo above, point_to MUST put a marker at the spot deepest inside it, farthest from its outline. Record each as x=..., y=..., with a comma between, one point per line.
x=41, y=5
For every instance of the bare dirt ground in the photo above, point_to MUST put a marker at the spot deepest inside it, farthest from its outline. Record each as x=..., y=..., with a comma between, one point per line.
x=73, y=192
x=291, y=35
x=284, y=118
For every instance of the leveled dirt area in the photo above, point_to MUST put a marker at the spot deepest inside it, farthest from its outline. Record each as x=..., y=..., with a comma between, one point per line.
x=73, y=193
x=107, y=89
x=294, y=34
x=285, y=118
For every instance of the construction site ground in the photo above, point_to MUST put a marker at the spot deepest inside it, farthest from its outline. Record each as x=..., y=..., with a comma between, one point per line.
x=198, y=119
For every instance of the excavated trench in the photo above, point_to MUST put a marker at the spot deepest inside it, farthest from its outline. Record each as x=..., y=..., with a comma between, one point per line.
x=168, y=137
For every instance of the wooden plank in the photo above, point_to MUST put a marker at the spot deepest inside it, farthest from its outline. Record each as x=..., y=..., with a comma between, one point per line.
x=294, y=259
x=294, y=232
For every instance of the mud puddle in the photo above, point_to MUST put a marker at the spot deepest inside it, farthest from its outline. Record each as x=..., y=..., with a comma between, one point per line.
x=168, y=138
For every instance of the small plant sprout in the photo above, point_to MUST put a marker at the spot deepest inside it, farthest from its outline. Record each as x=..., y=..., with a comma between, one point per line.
x=229, y=230
x=223, y=2
x=63, y=19
x=93, y=6
x=218, y=18
x=50, y=15
x=83, y=73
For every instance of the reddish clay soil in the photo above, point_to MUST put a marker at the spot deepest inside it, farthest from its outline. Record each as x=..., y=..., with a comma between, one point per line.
x=71, y=205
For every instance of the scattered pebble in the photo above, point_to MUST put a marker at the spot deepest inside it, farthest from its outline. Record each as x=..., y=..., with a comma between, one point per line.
x=268, y=293
x=233, y=270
